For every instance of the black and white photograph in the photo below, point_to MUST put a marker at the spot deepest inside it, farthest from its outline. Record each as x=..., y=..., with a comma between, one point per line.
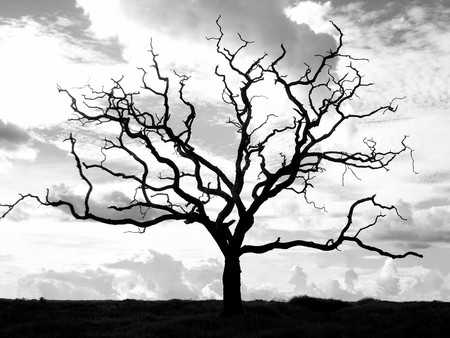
x=224, y=168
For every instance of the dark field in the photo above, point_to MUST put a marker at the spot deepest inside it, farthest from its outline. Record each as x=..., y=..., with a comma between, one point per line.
x=299, y=317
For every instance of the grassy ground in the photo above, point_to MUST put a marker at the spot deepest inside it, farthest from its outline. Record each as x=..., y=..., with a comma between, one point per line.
x=300, y=317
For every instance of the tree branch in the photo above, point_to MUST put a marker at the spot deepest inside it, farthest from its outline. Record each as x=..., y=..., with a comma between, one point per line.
x=333, y=244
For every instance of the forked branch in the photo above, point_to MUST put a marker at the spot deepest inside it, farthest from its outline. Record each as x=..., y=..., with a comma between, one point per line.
x=333, y=244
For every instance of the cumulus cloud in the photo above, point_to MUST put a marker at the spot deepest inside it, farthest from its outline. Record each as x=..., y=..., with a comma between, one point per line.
x=301, y=284
x=388, y=283
x=142, y=275
x=148, y=275
x=298, y=278
x=161, y=274
x=205, y=273
x=346, y=289
x=163, y=277
x=71, y=285
x=415, y=283
x=152, y=275
x=332, y=288
x=336, y=290
x=312, y=14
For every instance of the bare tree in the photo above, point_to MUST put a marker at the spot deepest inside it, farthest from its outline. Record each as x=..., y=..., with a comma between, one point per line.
x=183, y=192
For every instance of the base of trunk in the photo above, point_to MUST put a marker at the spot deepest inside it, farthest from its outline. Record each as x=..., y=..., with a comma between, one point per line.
x=232, y=301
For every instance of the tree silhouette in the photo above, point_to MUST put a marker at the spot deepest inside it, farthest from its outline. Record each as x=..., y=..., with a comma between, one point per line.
x=189, y=181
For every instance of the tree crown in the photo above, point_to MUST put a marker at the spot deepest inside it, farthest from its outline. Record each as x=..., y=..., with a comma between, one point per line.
x=189, y=182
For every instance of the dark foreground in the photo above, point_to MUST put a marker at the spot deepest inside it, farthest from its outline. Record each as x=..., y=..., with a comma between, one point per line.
x=300, y=317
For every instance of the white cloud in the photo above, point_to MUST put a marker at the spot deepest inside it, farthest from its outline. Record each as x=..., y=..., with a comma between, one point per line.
x=302, y=286
x=212, y=291
x=204, y=274
x=67, y=285
x=145, y=275
x=330, y=288
x=388, y=283
x=142, y=275
x=312, y=14
x=103, y=26
x=151, y=275
x=159, y=274
x=404, y=284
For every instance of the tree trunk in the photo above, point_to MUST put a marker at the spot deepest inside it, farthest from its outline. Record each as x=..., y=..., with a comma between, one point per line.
x=232, y=301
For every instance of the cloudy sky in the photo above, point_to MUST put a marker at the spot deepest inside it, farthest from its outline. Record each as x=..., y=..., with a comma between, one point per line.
x=43, y=252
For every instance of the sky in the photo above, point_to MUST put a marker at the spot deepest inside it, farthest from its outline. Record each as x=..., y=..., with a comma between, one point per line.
x=45, y=43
